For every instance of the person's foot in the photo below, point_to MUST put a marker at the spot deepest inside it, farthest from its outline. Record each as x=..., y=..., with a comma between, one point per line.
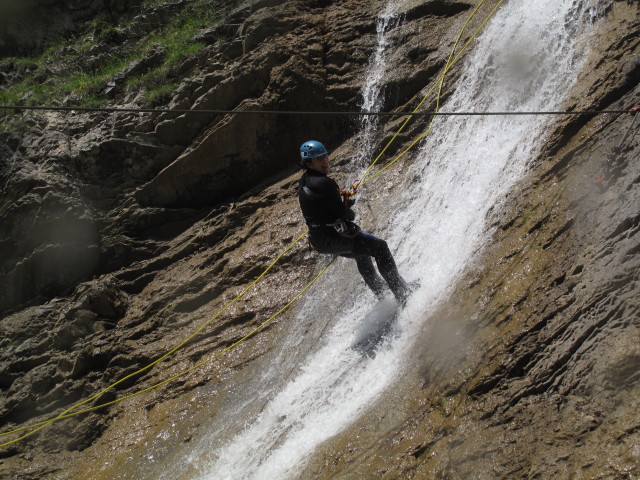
x=379, y=289
x=403, y=296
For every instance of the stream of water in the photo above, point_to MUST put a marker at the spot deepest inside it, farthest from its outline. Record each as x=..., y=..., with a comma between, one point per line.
x=373, y=90
x=525, y=59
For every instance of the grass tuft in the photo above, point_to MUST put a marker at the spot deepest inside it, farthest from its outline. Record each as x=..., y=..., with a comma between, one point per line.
x=64, y=72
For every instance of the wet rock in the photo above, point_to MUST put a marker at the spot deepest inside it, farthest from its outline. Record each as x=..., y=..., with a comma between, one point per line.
x=49, y=351
x=121, y=159
x=97, y=299
x=55, y=241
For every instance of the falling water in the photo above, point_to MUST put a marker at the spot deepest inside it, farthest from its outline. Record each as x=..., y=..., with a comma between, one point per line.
x=526, y=59
x=373, y=90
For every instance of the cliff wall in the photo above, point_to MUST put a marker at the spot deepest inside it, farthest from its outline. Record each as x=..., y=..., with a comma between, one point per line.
x=122, y=233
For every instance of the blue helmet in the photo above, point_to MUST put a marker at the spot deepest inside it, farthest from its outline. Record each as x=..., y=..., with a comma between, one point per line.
x=311, y=149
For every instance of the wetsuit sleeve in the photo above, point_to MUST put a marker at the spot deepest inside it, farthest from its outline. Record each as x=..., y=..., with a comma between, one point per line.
x=334, y=203
x=321, y=201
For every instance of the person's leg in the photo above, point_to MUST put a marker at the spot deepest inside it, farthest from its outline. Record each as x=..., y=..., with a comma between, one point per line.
x=371, y=277
x=332, y=244
x=367, y=244
x=344, y=246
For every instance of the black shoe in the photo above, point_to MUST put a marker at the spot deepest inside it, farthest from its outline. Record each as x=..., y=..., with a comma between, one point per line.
x=405, y=294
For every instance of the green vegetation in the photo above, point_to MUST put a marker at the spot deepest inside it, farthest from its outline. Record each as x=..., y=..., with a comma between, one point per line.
x=80, y=68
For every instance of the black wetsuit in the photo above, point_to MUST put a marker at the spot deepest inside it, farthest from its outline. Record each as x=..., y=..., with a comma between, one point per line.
x=322, y=206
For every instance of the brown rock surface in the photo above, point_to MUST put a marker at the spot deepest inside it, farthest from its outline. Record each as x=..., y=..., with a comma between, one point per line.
x=31, y=24
x=121, y=235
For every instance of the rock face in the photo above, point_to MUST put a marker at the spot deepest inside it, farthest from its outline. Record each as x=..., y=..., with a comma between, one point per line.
x=30, y=24
x=54, y=241
x=120, y=232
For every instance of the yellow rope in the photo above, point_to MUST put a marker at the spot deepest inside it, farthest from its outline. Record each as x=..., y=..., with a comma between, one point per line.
x=167, y=354
x=440, y=81
x=69, y=412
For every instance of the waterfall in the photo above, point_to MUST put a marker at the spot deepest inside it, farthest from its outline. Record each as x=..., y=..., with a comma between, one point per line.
x=373, y=90
x=527, y=58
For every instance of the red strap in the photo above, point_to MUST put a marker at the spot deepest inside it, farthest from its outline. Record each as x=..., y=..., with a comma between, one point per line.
x=635, y=109
x=346, y=195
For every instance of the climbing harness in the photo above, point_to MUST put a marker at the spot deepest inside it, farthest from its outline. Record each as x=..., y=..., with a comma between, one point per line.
x=343, y=227
x=346, y=229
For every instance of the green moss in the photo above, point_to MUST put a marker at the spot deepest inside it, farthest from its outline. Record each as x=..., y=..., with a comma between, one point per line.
x=159, y=94
x=153, y=85
x=38, y=85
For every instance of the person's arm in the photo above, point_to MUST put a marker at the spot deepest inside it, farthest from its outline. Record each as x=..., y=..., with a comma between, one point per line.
x=335, y=204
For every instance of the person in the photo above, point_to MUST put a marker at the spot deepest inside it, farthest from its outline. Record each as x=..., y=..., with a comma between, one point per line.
x=329, y=216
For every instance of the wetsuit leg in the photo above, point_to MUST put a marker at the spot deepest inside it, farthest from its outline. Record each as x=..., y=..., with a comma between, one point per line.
x=344, y=246
x=371, y=277
x=367, y=244
x=361, y=248
x=332, y=243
